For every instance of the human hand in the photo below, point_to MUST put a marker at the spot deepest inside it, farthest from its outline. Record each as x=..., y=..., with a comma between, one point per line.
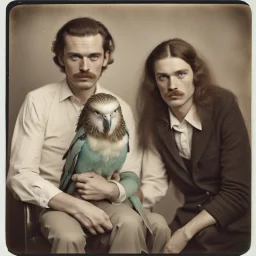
x=92, y=218
x=92, y=186
x=139, y=194
x=177, y=242
x=116, y=176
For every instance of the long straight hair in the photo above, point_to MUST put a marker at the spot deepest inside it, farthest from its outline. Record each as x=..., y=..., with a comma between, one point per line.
x=149, y=101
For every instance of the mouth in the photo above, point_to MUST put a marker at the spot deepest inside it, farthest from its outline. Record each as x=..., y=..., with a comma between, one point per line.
x=84, y=76
x=174, y=95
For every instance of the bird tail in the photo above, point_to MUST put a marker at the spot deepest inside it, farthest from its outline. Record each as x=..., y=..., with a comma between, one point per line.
x=139, y=208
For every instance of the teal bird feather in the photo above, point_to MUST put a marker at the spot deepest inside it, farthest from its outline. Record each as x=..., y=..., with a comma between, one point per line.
x=101, y=144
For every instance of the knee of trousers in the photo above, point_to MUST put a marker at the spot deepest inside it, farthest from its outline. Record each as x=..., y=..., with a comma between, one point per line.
x=129, y=222
x=158, y=223
x=67, y=237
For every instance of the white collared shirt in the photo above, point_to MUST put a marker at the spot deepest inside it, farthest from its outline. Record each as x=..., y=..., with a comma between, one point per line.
x=43, y=132
x=183, y=131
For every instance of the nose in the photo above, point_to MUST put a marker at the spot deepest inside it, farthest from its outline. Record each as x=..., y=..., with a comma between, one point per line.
x=84, y=65
x=172, y=85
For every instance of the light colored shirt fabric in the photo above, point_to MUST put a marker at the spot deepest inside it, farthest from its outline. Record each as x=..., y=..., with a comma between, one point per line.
x=43, y=132
x=183, y=131
x=154, y=182
x=154, y=176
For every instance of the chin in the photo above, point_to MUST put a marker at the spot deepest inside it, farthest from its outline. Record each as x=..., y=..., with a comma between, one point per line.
x=85, y=85
x=175, y=103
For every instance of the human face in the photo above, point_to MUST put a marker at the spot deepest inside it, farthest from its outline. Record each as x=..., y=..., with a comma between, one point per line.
x=174, y=78
x=83, y=59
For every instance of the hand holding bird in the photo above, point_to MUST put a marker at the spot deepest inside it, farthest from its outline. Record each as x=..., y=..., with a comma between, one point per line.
x=92, y=186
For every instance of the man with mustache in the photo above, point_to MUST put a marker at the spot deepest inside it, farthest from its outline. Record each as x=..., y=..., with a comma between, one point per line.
x=46, y=126
x=193, y=132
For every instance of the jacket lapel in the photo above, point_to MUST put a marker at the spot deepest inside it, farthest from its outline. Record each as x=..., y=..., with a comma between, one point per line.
x=200, y=138
x=167, y=136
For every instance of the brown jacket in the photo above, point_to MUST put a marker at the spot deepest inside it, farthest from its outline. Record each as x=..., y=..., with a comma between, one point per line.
x=220, y=175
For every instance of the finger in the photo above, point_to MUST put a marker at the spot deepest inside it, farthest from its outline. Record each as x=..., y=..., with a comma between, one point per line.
x=81, y=191
x=116, y=176
x=107, y=224
x=91, y=230
x=87, y=192
x=99, y=229
x=81, y=177
x=92, y=197
x=80, y=185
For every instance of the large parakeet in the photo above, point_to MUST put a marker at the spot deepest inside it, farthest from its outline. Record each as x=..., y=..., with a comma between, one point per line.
x=101, y=144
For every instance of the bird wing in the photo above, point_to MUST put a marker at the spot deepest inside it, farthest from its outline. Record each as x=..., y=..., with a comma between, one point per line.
x=80, y=135
x=71, y=158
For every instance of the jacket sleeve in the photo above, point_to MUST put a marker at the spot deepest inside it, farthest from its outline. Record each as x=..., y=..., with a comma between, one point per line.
x=233, y=200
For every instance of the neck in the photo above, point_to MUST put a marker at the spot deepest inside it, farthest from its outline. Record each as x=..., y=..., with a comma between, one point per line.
x=181, y=112
x=83, y=94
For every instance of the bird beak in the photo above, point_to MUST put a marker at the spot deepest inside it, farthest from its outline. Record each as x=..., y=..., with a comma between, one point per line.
x=107, y=120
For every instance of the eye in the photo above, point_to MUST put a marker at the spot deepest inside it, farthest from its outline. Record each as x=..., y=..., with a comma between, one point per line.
x=74, y=57
x=181, y=74
x=162, y=77
x=97, y=112
x=94, y=57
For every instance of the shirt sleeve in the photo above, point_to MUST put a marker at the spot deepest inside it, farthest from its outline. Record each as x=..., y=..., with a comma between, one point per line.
x=122, y=194
x=24, y=178
x=154, y=182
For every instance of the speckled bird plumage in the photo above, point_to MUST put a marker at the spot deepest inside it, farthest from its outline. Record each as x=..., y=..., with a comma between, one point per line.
x=101, y=144
x=95, y=147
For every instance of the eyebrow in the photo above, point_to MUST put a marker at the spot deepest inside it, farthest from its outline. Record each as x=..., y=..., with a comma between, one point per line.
x=163, y=73
x=79, y=54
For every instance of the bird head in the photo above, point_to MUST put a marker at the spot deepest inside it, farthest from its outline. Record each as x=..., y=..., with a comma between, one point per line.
x=103, y=113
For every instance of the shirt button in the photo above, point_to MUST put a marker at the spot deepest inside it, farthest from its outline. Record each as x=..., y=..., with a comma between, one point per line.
x=207, y=193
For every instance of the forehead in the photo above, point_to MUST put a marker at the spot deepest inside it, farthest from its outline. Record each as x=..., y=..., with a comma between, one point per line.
x=170, y=65
x=105, y=107
x=81, y=44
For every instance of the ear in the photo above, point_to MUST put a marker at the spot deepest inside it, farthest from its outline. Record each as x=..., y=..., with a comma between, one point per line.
x=106, y=58
x=60, y=58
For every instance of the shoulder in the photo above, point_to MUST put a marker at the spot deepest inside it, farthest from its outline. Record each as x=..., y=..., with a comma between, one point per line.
x=224, y=104
x=45, y=91
x=43, y=97
x=223, y=97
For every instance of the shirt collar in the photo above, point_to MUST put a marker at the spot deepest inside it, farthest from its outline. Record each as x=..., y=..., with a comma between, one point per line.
x=192, y=118
x=65, y=91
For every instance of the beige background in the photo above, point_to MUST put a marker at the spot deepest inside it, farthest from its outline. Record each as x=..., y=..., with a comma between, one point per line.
x=220, y=33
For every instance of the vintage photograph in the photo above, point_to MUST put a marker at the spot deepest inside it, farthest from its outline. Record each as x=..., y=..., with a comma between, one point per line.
x=129, y=128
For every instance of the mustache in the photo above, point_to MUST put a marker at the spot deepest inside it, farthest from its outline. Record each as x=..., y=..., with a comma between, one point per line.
x=87, y=74
x=174, y=93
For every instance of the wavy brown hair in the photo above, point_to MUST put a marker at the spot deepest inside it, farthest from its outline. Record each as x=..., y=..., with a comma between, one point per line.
x=149, y=100
x=82, y=27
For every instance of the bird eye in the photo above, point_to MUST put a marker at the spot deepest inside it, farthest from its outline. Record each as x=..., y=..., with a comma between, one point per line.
x=115, y=111
x=97, y=112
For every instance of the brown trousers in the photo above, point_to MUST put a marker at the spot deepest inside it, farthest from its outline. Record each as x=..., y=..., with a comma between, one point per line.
x=129, y=234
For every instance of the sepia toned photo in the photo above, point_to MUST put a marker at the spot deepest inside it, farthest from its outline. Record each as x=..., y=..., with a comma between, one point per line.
x=129, y=128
